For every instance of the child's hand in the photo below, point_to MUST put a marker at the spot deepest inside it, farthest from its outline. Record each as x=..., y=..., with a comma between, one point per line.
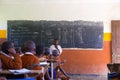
x=43, y=59
x=12, y=51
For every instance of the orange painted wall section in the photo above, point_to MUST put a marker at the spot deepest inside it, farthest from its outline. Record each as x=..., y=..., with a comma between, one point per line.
x=2, y=40
x=88, y=61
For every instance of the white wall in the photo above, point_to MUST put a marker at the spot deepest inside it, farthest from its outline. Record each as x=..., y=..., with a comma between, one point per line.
x=94, y=10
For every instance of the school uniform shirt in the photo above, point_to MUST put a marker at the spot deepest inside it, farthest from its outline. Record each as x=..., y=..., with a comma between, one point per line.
x=9, y=62
x=52, y=47
x=29, y=59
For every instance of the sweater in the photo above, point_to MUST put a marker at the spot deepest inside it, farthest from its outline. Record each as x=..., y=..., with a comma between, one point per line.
x=11, y=63
x=28, y=60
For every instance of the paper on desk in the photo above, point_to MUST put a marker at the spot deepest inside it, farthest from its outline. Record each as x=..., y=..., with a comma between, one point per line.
x=21, y=71
x=44, y=63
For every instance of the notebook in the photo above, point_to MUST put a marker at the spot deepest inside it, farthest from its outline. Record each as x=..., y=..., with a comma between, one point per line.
x=21, y=71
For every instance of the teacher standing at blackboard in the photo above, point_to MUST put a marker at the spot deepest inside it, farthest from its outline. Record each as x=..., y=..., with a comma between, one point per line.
x=56, y=46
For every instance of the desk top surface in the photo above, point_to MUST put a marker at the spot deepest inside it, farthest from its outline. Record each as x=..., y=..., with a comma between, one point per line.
x=8, y=72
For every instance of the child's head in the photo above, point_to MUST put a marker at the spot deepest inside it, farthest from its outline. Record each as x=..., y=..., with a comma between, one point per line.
x=39, y=50
x=47, y=51
x=55, y=53
x=29, y=46
x=6, y=46
x=56, y=42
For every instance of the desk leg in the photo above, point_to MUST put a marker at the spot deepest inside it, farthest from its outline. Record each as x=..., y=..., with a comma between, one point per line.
x=52, y=70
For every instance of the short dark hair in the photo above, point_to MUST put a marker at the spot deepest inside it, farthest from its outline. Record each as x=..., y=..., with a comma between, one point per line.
x=55, y=53
x=6, y=45
x=47, y=52
x=55, y=39
x=39, y=50
x=29, y=46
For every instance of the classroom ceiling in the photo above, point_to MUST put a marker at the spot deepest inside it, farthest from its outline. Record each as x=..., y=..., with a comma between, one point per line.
x=49, y=1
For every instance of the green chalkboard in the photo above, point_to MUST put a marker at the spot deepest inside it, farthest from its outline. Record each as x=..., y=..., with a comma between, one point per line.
x=71, y=34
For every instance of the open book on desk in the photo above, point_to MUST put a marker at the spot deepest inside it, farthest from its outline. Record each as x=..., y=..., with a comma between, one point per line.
x=20, y=71
x=44, y=63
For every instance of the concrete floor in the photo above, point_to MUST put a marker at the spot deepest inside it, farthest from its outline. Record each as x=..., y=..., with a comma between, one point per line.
x=88, y=77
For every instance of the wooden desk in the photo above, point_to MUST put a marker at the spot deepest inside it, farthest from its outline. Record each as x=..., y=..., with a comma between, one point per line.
x=10, y=75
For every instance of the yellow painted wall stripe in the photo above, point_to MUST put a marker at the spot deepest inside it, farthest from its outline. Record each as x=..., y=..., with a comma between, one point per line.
x=3, y=34
x=107, y=36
